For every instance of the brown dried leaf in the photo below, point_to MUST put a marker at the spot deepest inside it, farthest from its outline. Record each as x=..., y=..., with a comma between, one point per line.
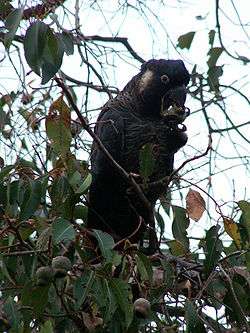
x=195, y=205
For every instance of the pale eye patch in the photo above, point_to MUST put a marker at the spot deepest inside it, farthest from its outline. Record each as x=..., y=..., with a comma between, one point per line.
x=145, y=80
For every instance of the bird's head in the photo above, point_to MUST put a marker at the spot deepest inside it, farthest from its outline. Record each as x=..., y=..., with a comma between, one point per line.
x=161, y=86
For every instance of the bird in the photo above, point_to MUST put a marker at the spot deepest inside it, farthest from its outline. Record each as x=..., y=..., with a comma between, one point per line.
x=141, y=114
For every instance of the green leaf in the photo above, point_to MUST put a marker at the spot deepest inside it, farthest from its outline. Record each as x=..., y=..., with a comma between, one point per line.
x=214, y=73
x=5, y=171
x=34, y=45
x=75, y=179
x=144, y=267
x=47, y=327
x=122, y=294
x=185, y=41
x=244, y=228
x=82, y=288
x=194, y=323
x=62, y=230
x=60, y=190
x=214, y=54
x=180, y=225
x=211, y=36
x=43, y=51
x=160, y=222
x=104, y=298
x=12, y=23
x=213, y=248
x=146, y=160
x=106, y=244
x=31, y=199
x=43, y=239
x=11, y=310
x=81, y=212
x=67, y=42
x=165, y=202
x=52, y=57
x=169, y=274
x=85, y=185
x=232, y=308
x=245, y=218
x=62, y=197
x=35, y=297
x=4, y=269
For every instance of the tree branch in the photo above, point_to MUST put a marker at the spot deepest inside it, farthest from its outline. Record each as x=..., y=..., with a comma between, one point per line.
x=243, y=59
x=121, y=40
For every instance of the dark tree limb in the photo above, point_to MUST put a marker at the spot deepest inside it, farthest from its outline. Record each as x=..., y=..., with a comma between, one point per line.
x=121, y=40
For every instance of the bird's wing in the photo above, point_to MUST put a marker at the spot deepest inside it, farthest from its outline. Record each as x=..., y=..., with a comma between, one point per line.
x=110, y=129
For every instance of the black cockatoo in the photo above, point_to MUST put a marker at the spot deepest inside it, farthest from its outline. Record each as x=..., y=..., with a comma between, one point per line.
x=138, y=115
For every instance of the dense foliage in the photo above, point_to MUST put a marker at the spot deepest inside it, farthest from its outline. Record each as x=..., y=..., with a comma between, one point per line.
x=58, y=276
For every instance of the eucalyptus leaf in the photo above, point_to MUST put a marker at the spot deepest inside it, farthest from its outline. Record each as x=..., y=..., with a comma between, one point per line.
x=67, y=42
x=185, y=41
x=12, y=23
x=82, y=288
x=34, y=45
x=11, y=310
x=213, y=249
x=106, y=244
x=194, y=324
x=180, y=225
x=62, y=230
x=214, y=54
x=122, y=295
x=31, y=199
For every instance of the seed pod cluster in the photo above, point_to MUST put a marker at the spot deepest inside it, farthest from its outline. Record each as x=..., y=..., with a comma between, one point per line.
x=58, y=269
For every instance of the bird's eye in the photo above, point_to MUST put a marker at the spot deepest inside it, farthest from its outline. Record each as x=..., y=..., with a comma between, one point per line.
x=165, y=79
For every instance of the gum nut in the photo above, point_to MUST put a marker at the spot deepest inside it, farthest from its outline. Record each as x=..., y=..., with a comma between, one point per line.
x=142, y=307
x=44, y=275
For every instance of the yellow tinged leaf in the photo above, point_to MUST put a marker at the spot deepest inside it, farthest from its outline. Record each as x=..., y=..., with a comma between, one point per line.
x=232, y=230
x=177, y=248
x=58, y=127
x=61, y=110
x=195, y=205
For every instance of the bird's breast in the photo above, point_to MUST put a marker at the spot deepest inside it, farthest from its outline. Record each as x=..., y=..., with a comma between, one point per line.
x=139, y=132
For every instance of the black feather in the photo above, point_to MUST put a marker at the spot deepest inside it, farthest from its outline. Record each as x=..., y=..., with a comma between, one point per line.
x=125, y=124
